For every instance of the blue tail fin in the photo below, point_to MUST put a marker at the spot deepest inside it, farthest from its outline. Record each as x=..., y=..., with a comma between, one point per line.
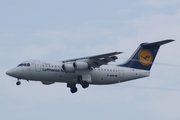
x=145, y=55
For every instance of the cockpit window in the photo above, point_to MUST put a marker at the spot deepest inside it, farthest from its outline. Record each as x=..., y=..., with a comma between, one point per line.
x=24, y=64
x=20, y=65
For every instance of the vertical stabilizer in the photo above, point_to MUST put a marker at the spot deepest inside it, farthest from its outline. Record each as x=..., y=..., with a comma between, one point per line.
x=145, y=55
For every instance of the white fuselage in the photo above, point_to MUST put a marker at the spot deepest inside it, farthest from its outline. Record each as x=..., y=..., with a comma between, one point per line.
x=91, y=69
x=49, y=72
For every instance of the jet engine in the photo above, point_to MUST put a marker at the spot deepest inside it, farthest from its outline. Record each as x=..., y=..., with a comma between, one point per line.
x=67, y=67
x=81, y=65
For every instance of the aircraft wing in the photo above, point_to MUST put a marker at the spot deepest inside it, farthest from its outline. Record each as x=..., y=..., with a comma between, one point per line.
x=97, y=60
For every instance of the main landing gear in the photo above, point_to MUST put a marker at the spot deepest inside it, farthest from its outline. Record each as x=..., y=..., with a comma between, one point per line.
x=73, y=87
x=18, y=83
x=84, y=84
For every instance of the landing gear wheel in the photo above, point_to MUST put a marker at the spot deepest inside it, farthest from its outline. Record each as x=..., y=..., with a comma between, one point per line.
x=74, y=89
x=18, y=83
x=85, y=84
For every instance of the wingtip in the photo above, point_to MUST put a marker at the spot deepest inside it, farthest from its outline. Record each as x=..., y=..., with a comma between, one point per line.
x=119, y=52
x=170, y=40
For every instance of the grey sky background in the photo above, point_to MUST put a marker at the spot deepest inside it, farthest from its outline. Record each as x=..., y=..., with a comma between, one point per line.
x=59, y=30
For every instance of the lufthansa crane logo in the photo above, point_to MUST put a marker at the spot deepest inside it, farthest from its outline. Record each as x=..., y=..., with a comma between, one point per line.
x=145, y=57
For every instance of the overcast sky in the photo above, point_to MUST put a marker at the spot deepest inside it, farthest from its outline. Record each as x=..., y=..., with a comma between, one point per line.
x=59, y=30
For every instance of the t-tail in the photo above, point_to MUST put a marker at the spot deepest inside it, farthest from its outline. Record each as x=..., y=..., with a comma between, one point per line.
x=145, y=55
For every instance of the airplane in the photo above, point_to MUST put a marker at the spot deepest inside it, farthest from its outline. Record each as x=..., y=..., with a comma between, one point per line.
x=90, y=70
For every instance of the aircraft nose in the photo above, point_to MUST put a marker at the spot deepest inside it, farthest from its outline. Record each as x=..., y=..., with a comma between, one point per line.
x=16, y=72
x=10, y=72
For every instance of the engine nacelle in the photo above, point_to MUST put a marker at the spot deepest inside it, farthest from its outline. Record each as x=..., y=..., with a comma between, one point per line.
x=67, y=67
x=81, y=65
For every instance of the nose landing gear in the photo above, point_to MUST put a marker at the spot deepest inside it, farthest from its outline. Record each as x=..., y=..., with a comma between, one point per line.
x=18, y=83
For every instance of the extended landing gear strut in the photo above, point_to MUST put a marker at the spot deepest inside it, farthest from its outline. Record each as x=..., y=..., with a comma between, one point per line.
x=84, y=84
x=18, y=82
x=73, y=87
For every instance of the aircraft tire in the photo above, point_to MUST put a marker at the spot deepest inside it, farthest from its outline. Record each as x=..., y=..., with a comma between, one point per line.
x=85, y=84
x=74, y=89
x=18, y=83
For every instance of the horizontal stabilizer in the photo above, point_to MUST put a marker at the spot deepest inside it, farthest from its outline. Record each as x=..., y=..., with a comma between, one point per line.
x=159, y=43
